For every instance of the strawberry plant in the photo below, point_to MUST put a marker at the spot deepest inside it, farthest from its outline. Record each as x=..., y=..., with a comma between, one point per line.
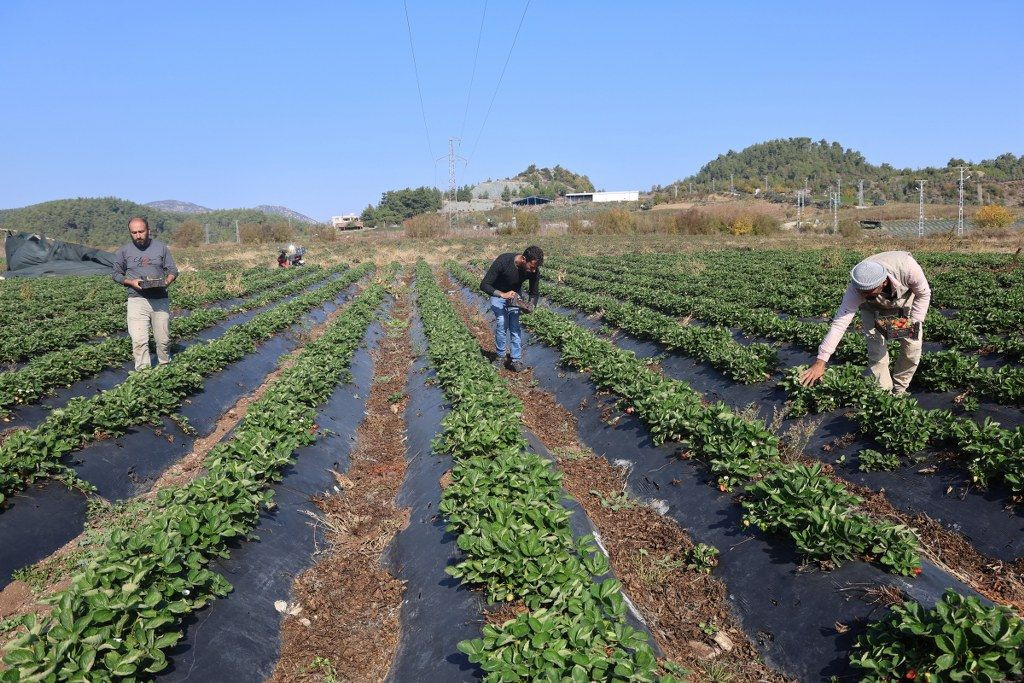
x=145, y=396
x=505, y=503
x=40, y=376
x=817, y=513
x=958, y=640
x=872, y=461
x=119, y=615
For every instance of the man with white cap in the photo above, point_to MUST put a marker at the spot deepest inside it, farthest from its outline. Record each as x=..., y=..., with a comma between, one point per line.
x=890, y=284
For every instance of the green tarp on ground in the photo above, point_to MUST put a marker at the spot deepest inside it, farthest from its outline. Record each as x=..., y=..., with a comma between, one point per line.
x=30, y=255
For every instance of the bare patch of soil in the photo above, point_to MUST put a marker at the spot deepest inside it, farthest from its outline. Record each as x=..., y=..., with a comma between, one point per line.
x=14, y=597
x=348, y=626
x=688, y=612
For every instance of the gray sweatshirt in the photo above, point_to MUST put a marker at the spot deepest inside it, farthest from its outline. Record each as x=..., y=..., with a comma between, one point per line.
x=131, y=262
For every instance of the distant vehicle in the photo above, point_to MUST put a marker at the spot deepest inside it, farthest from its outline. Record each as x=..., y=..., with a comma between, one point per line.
x=871, y=225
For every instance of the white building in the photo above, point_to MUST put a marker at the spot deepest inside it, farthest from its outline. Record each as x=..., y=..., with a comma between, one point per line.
x=620, y=196
x=348, y=220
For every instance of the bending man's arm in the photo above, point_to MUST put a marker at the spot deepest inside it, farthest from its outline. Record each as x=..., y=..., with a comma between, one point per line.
x=918, y=284
x=844, y=316
x=534, y=287
x=487, y=284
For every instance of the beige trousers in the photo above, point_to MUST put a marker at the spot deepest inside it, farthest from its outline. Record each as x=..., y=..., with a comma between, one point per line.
x=878, y=356
x=142, y=313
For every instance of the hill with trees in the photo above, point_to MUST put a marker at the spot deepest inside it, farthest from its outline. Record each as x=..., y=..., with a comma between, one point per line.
x=177, y=206
x=551, y=182
x=104, y=221
x=397, y=205
x=788, y=163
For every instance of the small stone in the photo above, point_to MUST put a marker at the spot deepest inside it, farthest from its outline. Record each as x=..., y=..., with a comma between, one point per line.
x=701, y=650
x=281, y=606
x=723, y=641
x=305, y=622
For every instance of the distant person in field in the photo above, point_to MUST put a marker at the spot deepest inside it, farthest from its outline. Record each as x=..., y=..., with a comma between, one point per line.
x=890, y=284
x=503, y=283
x=146, y=268
x=283, y=261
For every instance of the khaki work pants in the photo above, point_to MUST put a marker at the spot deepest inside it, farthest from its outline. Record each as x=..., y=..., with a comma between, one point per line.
x=878, y=356
x=142, y=313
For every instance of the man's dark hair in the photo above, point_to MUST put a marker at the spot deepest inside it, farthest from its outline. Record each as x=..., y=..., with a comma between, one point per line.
x=141, y=219
x=534, y=254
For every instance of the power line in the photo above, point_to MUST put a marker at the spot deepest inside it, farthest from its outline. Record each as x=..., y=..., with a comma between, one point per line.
x=502, y=76
x=416, y=70
x=472, y=75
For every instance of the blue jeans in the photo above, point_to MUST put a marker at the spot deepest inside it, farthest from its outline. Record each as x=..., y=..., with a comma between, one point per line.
x=506, y=322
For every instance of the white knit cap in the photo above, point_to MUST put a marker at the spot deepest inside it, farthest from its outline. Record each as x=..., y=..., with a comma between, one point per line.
x=867, y=275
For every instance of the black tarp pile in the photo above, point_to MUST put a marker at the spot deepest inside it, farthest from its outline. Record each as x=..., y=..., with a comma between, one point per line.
x=30, y=255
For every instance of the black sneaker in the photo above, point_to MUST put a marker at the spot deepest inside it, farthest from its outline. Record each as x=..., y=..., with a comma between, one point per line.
x=516, y=366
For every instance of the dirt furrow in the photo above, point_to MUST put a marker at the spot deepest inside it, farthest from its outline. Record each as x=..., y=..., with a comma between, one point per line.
x=687, y=611
x=343, y=621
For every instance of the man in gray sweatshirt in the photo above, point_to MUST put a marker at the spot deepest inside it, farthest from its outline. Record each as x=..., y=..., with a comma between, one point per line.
x=146, y=268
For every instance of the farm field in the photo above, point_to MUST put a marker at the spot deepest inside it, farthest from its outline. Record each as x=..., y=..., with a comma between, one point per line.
x=333, y=479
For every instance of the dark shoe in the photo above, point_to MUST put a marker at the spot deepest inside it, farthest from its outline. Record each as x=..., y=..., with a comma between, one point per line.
x=517, y=366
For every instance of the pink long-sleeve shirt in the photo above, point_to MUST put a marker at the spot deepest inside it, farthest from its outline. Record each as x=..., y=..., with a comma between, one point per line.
x=906, y=275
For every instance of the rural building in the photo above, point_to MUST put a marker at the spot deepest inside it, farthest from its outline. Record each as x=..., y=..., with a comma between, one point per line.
x=349, y=221
x=596, y=197
x=531, y=201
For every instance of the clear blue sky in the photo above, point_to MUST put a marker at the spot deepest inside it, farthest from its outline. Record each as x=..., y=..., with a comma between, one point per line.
x=313, y=105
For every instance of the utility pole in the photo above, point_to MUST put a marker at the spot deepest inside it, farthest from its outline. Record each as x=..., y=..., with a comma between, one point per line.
x=799, y=209
x=238, y=239
x=713, y=187
x=206, y=231
x=691, y=188
x=839, y=190
x=860, y=194
x=960, y=208
x=920, y=209
x=453, y=189
x=835, y=212
x=732, y=187
x=766, y=187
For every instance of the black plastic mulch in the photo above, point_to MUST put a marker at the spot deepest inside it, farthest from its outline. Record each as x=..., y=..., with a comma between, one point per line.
x=803, y=621
x=237, y=638
x=128, y=465
x=437, y=612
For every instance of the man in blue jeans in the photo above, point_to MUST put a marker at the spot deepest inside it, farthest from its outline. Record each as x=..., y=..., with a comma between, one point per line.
x=503, y=283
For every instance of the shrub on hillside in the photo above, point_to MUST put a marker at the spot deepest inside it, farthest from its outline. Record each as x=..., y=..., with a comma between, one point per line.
x=188, y=234
x=280, y=232
x=252, y=233
x=426, y=225
x=741, y=225
x=993, y=216
x=615, y=222
x=765, y=224
x=850, y=229
x=694, y=222
x=527, y=223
